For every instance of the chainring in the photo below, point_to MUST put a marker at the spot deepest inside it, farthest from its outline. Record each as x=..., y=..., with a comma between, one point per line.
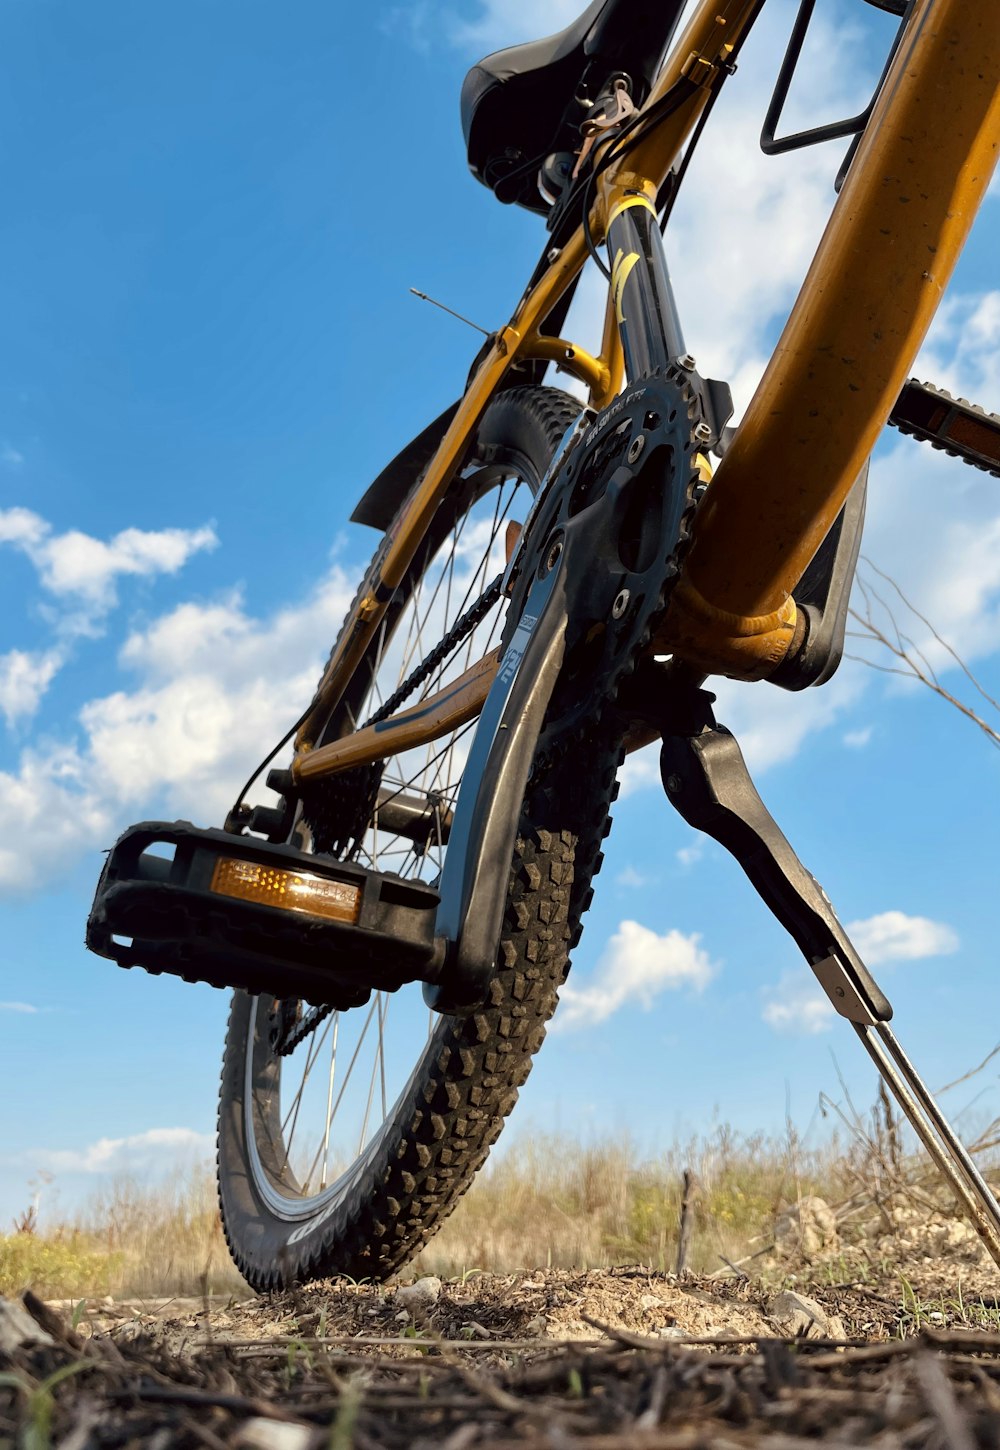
x=634, y=474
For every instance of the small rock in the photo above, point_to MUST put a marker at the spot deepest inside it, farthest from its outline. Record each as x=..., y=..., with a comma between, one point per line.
x=403, y=1317
x=671, y=1331
x=17, y=1327
x=796, y=1314
x=419, y=1296
x=650, y=1301
x=262, y=1434
x=808, y=1227
x=537, y=1326
x=955, y=1239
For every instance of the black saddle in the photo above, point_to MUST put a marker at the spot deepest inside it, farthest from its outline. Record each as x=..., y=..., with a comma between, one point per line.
x=522, y=104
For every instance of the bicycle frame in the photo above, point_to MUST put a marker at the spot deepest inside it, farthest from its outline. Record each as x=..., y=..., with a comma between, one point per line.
x=888, y=251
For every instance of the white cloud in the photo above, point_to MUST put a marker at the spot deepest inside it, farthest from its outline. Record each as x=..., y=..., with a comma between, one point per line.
x=691, y=855
x=21, y=527
x=630, y=877
x=24, y=678
x=639, y=771
x=961, y=352
x=772, y=724
x=635, y=967
x=80, y=568
x=510, y=22
x=213, y=688
x=858, y=739
x=754, y=219
x=50, y=810
x=797, y=1006
x=933, y=524
x=892, y=936
x=156, y=1149
x=216, y=689
x=23, y=1007
x=11, y=456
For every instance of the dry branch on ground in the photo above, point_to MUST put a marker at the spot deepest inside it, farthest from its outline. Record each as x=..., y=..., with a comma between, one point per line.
x=339, y=1366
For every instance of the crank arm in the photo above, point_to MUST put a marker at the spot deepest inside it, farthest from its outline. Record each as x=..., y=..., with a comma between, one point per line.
x=473, y=883
x=706, y=779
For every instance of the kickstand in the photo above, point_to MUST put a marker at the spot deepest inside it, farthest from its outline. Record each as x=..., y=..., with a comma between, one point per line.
x=706, y=779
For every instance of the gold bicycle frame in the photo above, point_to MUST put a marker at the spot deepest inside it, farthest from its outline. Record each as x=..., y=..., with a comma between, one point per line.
x=889, y=249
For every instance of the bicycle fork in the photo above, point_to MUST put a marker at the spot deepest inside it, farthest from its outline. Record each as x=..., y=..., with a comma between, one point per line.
x=706, y=779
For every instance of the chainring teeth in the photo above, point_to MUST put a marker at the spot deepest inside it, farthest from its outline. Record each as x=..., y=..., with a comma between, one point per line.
x=665, y=408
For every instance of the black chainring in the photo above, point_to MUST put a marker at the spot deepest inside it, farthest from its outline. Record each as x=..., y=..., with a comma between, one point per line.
x=633, y=472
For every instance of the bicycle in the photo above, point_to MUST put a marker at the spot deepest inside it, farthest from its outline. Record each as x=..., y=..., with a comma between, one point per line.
x=554, y=584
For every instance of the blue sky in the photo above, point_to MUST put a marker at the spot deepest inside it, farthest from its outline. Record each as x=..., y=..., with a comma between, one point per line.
x=213, y=214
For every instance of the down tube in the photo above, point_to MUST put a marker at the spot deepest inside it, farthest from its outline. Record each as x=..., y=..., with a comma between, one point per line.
x=640, y=288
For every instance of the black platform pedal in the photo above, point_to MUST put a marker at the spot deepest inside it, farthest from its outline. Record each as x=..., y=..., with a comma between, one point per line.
x=951, y=424
x=238, y=912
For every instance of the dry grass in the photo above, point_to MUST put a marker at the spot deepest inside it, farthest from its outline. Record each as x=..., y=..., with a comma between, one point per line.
x=559, y=1203
x=132, y=1240
x=546, y=1202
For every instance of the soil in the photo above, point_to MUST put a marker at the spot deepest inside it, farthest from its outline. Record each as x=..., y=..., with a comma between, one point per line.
x=605, y=1358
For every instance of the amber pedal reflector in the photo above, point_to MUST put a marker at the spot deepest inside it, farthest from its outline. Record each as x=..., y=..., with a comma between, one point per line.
x=287, y=890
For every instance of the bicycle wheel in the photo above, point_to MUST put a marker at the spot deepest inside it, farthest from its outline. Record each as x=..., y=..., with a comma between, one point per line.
x=345, y=1153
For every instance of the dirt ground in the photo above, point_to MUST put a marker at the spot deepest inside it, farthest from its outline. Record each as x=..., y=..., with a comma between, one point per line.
x=606, y=1358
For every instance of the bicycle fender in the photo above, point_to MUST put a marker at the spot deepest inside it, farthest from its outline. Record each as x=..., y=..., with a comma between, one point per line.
x=384, y=498
x=473, y=883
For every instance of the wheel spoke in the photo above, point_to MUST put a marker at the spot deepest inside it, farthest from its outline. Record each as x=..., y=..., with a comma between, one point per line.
x=313, y=1053
x=343, y=1088
x=329, y=1099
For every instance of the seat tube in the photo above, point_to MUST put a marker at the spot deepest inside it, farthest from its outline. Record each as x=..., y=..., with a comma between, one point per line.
x=640, y=285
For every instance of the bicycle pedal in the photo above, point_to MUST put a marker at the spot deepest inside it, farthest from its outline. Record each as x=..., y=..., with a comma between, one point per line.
x=949, y=424
x=238, y=912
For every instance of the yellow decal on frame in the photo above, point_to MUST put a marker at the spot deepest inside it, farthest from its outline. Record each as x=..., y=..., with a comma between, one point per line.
x=620, y=270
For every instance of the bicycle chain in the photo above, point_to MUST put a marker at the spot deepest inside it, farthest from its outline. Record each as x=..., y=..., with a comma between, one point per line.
x=351, y=794
x=460, y=631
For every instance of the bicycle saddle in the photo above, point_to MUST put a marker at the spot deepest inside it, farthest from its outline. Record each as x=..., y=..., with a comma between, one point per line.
x=521, y=103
